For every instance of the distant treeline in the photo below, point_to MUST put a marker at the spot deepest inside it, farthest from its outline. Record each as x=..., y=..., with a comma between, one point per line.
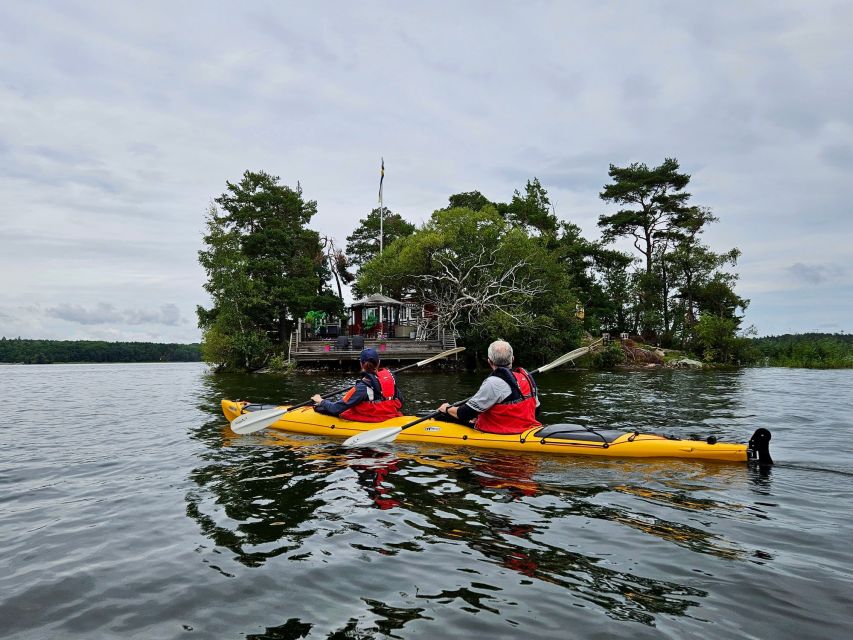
x=810, y=350
x=55, y=351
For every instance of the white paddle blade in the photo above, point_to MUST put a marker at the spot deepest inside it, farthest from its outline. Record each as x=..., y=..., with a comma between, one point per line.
x=563, y=359
x=255, y=420
x=386, y=434
x=443, y=354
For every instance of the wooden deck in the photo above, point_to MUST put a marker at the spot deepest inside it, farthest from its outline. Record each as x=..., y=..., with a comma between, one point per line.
x=396, y=349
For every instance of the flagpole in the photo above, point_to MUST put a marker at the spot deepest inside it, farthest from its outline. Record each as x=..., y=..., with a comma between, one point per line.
x=381, y=232
x=381, y=210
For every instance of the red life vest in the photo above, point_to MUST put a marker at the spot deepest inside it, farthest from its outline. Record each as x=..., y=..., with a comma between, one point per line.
x=517, y=413
x=384, y=404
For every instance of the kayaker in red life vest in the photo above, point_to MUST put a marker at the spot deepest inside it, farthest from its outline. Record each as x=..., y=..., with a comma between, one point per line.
x=374, y=398
x=506, y=401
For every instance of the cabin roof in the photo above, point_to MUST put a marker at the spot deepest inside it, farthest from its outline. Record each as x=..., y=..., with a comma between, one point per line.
x=376, y=299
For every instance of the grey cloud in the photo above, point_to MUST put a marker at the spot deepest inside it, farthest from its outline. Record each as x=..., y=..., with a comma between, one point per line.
x=566, y=84
x=575, y=178
x=144, y=149
x=50, y=166
x=814, y=273
x=640, y=88
x=582, y=172
x=719, y=29
x=829, y=326
x=301, y=45
x=63, y=156
x=104, y=313
x=53, y=246
x=168, y=315
x=839, y=156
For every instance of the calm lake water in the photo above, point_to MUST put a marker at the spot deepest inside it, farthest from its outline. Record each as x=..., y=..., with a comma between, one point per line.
x=129, y=510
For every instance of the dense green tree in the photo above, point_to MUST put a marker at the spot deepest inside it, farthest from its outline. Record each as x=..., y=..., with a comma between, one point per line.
x=696, y=274
x=485, y=278
x=653, y=202
x=652, y=198
x=597, y=274
x=810, y=350
x=532, y=209
x=682, y=278
x=473, y=200
x=363, y=243
x=610, y=300
x=265, y=268
x=593, y=269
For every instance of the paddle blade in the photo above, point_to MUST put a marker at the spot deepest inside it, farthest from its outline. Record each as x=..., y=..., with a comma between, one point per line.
x=255, y=420
x=374, y=436
x=443, y=354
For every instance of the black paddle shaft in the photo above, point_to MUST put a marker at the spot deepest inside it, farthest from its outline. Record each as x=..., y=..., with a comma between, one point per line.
x=431, y=415
x=342, y=389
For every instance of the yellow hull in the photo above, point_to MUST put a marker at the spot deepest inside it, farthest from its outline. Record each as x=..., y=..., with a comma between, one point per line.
x=627, y=445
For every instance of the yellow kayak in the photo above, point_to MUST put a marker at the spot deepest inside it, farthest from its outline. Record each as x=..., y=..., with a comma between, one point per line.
x=557, y=438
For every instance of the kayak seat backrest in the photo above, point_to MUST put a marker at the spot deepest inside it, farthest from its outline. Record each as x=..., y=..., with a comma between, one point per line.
x=357, y=343
x=577, y=432
x=342, y=343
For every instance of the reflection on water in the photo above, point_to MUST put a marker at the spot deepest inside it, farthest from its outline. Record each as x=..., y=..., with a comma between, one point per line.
x=274, y=494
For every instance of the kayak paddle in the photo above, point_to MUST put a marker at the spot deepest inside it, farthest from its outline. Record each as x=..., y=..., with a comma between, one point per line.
x=257, y=420
x=389, y=434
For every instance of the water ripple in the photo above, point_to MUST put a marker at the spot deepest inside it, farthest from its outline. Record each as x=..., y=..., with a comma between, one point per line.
x=130, y=510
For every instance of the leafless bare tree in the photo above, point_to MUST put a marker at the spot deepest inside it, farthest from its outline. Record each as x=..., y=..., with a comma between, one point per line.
x=464, y=288
x=337, y=262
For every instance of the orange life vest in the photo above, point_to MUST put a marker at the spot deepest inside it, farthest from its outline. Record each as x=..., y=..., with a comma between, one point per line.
x=518, y=412
x=384, y=403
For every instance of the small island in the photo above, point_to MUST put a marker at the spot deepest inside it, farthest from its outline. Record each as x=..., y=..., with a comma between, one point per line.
x=475, y=270
x=478, y=269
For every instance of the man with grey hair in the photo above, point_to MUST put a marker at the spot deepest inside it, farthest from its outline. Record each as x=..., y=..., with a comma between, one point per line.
x=506, y=401
x=500, y=353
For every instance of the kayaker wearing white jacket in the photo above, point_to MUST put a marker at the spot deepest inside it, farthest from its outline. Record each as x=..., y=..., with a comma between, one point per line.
x=506, y=401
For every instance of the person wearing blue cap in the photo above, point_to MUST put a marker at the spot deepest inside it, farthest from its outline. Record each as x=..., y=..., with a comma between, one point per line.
x=374, y=398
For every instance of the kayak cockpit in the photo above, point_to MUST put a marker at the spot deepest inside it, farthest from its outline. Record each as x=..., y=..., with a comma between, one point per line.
x=256, y=406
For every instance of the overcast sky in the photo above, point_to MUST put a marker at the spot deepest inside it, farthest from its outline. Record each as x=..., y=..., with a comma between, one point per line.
x=120, y=121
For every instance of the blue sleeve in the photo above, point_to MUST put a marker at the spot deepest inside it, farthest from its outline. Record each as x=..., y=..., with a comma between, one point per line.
x=337, y=408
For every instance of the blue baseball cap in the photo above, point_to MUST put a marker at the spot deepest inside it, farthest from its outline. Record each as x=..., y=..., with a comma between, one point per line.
x=369, y=354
